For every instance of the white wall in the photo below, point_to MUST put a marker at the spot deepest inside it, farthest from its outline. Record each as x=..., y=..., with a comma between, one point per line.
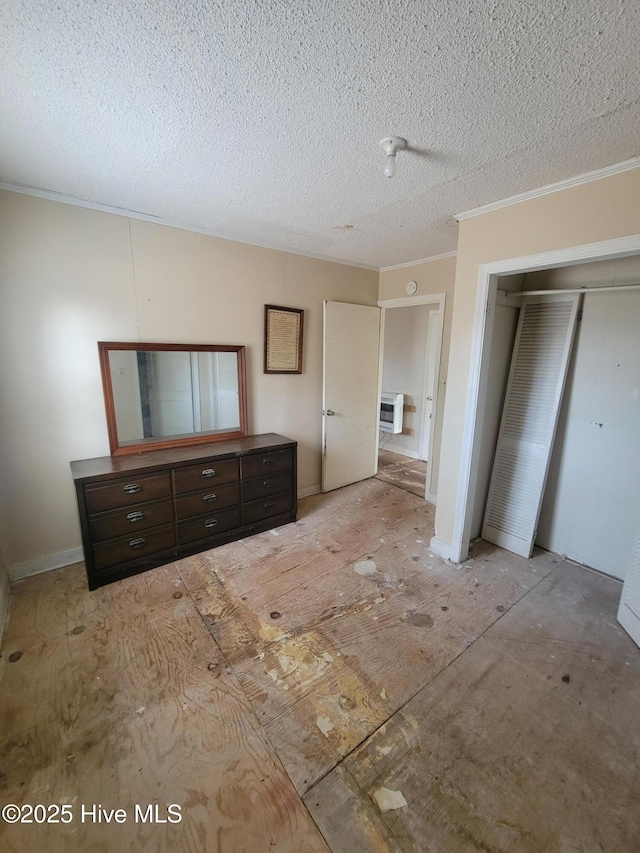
x=125, y=383
x=70, y=277
x=403, y=369
x=591, y=506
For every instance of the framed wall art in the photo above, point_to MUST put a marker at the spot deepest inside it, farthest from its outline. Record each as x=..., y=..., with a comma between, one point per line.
x=283, y=339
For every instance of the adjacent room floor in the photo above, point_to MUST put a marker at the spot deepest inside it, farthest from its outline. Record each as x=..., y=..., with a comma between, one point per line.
x=327, y=686
x=402, y=471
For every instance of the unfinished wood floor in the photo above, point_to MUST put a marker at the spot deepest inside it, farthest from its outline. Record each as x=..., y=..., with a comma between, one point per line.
x=402, y=471
x=329, y=685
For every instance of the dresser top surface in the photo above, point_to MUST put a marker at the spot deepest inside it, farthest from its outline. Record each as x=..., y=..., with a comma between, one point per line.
x=105, y=466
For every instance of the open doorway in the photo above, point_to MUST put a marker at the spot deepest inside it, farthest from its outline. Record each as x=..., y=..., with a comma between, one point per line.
x=411, y=348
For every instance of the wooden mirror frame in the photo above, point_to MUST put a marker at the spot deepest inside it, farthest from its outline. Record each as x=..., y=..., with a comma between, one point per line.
x=117, y=449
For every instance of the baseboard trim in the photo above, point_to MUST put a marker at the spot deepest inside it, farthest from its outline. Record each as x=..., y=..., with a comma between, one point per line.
x=45, y=564
x=401, y=451
x=5, y=591
x=76, y=555
x=310, y=490
x=442, y=549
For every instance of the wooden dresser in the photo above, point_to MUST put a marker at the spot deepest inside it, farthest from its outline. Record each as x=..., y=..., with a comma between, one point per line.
x=140, y=511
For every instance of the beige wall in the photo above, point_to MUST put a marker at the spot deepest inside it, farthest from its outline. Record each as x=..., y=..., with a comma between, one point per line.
x=436, y=276
x=72, y=276
x=601, y=210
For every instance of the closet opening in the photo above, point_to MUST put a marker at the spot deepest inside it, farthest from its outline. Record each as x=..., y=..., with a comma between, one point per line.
x=564, y=474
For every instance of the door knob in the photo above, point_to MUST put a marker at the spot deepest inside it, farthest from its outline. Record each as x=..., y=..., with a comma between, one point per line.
x=329, y=413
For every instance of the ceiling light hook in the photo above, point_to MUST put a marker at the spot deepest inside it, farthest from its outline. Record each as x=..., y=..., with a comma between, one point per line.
x=391, y=145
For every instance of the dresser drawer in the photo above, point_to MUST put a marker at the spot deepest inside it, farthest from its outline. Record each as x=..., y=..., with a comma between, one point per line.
x=132, y=547
x=266, y=463
x=207, y=473
x=210, y=500
x=208, y=525
x=265, y=508
x=122, y=522
x=122, y=493
x=265, y=486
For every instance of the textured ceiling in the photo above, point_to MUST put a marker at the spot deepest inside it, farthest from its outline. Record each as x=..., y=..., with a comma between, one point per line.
x=260, y=121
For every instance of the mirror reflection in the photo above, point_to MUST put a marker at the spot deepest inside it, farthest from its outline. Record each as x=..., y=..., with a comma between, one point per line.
x=171, y=395
x=161, y=394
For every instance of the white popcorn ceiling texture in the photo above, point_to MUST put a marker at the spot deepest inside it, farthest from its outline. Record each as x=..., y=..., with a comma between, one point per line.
x=260, y=121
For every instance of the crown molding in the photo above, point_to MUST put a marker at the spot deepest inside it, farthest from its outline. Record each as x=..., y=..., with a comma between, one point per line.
x=421, y=261
x=596, y=175
x=63, y=198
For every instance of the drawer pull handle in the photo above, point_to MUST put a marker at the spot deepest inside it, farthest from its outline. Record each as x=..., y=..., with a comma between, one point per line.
x=131, y=488
x=268, y=460
x=269, y=504
x=210, y=498
x=211, y=522
x=135, y=516
x=137, y=543
x=209, y=472
x=268, y=484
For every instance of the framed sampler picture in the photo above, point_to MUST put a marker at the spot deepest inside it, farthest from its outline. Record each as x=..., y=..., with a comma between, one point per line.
x=283, y=339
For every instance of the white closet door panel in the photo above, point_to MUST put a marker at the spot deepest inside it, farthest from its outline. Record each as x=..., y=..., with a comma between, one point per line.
x=591, y=505
x=538, y=370
x=629, y=611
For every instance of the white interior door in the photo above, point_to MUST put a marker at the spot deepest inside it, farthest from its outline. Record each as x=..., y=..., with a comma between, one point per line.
x=544, y=338
x=171, y=393
x=629, y=611
x=350, y=403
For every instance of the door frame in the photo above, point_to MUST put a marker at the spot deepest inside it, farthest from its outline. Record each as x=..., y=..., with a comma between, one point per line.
x=434, y=332
x=436, y=299
x=488, y=275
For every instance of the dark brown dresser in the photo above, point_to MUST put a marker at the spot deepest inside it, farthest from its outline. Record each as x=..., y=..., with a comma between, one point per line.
x=143, y=510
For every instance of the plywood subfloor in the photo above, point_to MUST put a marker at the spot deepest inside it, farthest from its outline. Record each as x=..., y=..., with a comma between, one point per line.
x=353, y=617
x=402, y=471
x=121, y=697
x=527, y=742
x=315, y=665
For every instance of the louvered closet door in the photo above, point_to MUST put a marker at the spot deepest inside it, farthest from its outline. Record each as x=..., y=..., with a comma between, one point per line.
x=629, y=612
x=532, y=401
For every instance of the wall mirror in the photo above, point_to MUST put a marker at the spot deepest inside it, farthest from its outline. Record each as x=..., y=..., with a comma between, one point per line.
x=170, y=395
